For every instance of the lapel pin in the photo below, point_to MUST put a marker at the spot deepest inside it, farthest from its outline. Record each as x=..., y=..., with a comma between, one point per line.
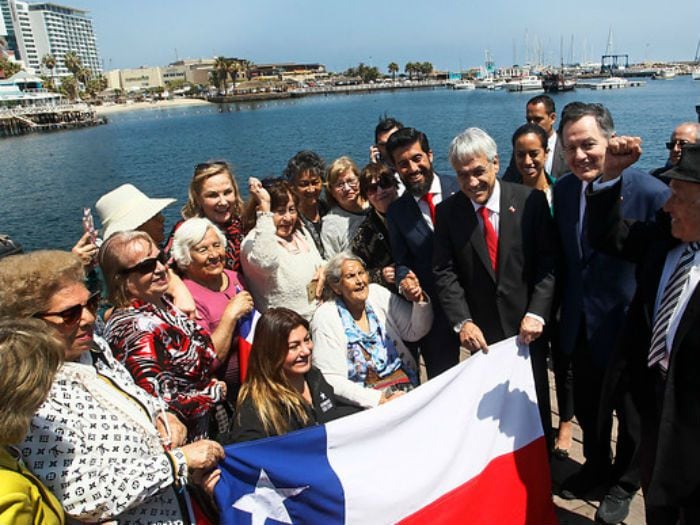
x=511, y=209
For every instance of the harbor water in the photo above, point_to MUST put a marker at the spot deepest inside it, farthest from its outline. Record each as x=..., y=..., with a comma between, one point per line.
x=47, y=179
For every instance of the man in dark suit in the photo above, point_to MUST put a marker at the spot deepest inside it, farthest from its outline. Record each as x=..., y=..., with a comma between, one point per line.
x=541, y=110
x=410, y=221
x=493, y=258
x=685, y=133
x=595, y=290
x=658, y=358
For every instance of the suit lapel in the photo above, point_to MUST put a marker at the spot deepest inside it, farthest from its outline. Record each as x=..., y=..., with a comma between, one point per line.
x=689, y=318
x=508, y=225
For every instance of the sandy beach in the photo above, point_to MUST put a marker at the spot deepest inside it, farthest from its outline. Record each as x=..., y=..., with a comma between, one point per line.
x=138, y=106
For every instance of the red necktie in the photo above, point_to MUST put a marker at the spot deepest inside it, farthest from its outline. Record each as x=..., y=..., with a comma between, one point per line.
x=490, y=236
x=428, y=197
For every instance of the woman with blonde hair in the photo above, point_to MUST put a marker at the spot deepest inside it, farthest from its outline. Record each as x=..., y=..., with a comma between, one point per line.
x=283, y=392
x=29, y=357
x=214, y=194
x=348, y=207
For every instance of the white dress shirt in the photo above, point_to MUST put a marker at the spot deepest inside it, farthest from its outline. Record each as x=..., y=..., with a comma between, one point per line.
x=551, y=144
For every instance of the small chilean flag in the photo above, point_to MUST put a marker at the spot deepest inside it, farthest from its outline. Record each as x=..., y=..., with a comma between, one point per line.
x=465, y=447
x=246, y=329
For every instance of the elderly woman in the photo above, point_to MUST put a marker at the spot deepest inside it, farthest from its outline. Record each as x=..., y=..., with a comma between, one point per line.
x=29, y=357
x=283, y=391
x=213, y=193
x=168, y=354
x=99, y=443
x=371, y=242
x=305, y=172
x=279, y=258
x=348, y=208
x=199, y=251
x=359, y=335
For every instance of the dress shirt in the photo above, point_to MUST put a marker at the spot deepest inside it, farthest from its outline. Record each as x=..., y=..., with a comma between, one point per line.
x=436, y=190
x=493, y=205
x=693, y=278
x=551, y=144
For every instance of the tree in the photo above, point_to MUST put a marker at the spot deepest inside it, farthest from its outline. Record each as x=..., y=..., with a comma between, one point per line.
x=393, y=68
x=233, y=68
x=72, y=63
x=69, y=87
x=9, y=68
x=365, y=72
x=410, y=68
x=221, y=68
x=49, y=62
x=426, y=68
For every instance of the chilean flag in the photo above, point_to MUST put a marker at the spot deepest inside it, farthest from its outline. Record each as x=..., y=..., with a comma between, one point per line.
x=246, y=329
x=465, y=447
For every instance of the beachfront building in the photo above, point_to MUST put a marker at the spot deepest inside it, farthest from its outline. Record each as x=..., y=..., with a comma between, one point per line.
x=135, y=79
x=39, y=29
x=296, y=71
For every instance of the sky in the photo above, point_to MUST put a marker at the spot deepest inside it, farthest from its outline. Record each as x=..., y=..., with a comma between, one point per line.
x=452, y=34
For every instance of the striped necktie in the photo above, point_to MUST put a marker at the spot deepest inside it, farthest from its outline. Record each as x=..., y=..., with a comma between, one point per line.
x=669, y=302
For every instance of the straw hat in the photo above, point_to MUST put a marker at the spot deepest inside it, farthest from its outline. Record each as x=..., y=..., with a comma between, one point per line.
x=127, y=208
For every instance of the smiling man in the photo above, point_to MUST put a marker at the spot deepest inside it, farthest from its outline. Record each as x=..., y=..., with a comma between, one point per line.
x=658, y=358
x=410, y=221
x=596, y=289
x=493, y=258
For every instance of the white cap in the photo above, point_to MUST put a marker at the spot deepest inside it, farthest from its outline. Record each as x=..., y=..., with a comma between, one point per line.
x=127, y=208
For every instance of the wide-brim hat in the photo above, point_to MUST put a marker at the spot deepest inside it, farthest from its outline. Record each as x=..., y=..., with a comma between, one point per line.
x=688, y=169
x=127, y=208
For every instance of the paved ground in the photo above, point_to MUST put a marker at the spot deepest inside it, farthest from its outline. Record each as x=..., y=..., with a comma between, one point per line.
x=580, y=512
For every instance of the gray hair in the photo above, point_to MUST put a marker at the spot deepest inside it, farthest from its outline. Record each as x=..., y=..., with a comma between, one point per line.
x=472, y=142
x=334, y=271
x=189, y=234
x=575, y=111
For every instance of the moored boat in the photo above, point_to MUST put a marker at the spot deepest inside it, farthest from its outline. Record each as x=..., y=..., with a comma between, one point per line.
x=528, y=83
x=556, y=82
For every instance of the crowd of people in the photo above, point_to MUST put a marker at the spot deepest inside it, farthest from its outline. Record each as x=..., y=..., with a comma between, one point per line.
x=123, y=370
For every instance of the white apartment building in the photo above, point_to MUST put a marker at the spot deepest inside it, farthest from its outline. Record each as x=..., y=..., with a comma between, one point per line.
x=46, y=28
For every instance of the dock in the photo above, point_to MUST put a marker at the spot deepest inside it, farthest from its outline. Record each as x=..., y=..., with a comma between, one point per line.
x=23, y=120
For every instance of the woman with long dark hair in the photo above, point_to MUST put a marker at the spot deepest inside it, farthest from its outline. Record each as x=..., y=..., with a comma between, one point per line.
x=283, y=392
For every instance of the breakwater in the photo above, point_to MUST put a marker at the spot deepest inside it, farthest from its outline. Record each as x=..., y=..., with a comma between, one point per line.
x=22, y=120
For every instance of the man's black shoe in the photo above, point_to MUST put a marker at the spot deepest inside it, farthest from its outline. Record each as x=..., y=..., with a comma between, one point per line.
x=615, y=506
x=585, y=483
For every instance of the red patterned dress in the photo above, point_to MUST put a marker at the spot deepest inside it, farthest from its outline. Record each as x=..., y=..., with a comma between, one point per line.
x=169, y=356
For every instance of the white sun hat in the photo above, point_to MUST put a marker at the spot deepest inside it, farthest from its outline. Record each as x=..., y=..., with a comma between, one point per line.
x=127, y=208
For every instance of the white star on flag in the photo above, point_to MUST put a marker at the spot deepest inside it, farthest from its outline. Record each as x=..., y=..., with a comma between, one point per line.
x=267, y=501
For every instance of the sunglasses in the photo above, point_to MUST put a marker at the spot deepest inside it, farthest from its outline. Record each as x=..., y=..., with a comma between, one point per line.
x=147, y=265
x=206, y=165
x=73, y=314
x=385, y=182
x=674, y=143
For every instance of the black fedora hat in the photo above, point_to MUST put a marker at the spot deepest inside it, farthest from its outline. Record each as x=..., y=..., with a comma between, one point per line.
x=688, y=169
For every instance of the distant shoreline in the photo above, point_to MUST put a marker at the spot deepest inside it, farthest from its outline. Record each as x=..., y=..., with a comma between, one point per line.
x=140, y=106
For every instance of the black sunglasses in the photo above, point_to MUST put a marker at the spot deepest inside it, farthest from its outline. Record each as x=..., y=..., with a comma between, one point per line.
x=73, y=314
x=147, y=265
x=674, y=143
x=206, y=165
x=385, y=182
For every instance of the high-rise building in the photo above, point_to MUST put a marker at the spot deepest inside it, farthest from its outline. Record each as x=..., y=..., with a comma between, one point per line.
x=36, y=30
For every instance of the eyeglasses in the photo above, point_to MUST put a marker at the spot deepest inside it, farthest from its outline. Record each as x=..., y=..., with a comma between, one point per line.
x=73, y=314
x=146, y=266
x=674, y=143
x=385, y=182
x=350, y=183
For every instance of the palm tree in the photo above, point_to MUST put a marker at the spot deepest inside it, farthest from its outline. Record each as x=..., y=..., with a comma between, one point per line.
x=49, y=62
x=72, y=63
x=233, y=68
x=410, y=68
x=221, y=67
x=393, y=68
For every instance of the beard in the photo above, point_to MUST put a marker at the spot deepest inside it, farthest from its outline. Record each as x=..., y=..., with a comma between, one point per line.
x=418, y=189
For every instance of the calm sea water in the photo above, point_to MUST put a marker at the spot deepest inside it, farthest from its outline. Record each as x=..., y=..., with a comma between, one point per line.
x=46, y=179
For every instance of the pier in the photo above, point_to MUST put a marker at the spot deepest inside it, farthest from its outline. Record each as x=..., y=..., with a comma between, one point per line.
x=22, y=120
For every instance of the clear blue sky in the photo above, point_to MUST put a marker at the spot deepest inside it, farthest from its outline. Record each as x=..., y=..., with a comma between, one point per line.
x=340, y=34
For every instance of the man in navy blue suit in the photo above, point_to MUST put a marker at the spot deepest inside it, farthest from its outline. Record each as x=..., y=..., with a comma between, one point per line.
x=596, y=290
x=411, y=221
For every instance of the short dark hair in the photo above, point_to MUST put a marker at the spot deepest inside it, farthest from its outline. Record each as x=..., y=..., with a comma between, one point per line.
x=385, y=124
x=375, y=170
x=304, y=161
x=405, y=137
x=574, y=111
x=525, y=129
x=543, y=99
